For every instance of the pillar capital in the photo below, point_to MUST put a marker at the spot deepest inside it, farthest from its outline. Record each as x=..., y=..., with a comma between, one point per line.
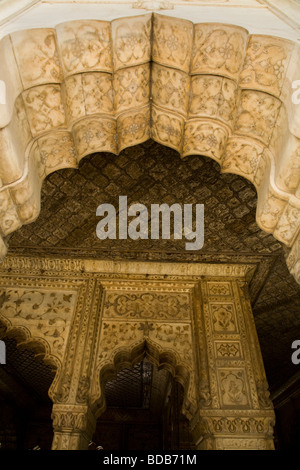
x=73, y=426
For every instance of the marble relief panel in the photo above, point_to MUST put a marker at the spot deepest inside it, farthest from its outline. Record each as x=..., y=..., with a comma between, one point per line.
x=172, y=42
x=233, y=387
x=218, y=49
x=85, y=45
x=265, y=63
x=150, y=305
x=38, y=48
x=44, y=108
x=46, y=314
x=131, y=87
x=131, y=41
x=223, y=317
x=213, y=97
x=170, y=88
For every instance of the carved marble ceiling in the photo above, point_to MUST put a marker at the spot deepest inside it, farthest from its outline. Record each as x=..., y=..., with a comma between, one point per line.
x=151, y=173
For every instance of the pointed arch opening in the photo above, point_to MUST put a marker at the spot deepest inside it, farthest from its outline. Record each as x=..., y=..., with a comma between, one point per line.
x=26, y=381
x=144, y=401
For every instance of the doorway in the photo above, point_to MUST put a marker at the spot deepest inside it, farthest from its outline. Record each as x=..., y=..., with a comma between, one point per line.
x=143, y=411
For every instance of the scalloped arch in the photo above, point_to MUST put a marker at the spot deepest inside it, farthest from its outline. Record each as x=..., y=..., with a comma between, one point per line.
x=207, y=89
x=163, y=358
x=39, y=346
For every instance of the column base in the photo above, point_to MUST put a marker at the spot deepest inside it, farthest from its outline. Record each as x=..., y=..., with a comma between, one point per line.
x=234, y=430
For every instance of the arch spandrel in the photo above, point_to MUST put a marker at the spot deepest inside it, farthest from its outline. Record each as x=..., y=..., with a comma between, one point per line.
x=104, y=86
x=29, y=315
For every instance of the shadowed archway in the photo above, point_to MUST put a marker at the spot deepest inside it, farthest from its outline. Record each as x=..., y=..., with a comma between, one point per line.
x=144, y=401
x=25, y=382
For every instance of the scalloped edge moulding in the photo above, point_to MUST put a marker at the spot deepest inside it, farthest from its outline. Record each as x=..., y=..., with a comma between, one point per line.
x=210, y=89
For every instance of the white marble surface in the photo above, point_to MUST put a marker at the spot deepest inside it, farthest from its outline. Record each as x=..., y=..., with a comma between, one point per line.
x=252, y=15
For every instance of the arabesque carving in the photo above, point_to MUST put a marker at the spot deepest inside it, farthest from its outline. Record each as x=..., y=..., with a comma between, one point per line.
x=92, y=86
x=45, y=313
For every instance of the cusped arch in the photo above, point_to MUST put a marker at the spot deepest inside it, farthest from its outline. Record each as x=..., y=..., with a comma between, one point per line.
x=207, y=89
x=39, y=346
x=163, y=358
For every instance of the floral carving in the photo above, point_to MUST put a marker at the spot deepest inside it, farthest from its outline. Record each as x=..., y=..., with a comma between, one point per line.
x=239, y=425
x=98, y=93
x=44, y=108
x=47, y=314
x=219, y=288
x=37, y=47
x=133, y=128
x=85, y=45
x=116, y=334
x=172, y=42
x=87, y=94
x=94, y=135
x=228, y=349
x=167, y=128
x=132, y=87
x=265, y=64
x=146, y=305
x=223, y=317
x=233, y=388
x=131, y=41
x=270, y=212
x=203, y=138
x=289, y=223
x=170, y=88
x=9, y=218
x=242, y=158
x=257, y=115
x=176, y=336
x=74, y=97
x=214, y=97
x=218, y=48
x=56, y=151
